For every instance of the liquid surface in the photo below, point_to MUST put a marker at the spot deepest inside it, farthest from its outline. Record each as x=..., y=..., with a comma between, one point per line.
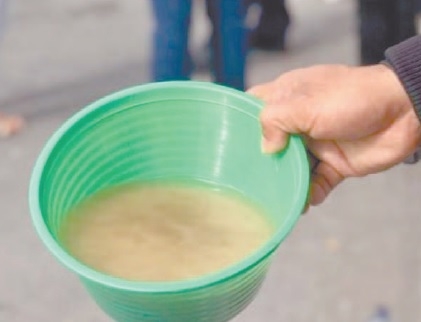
x=162, y=232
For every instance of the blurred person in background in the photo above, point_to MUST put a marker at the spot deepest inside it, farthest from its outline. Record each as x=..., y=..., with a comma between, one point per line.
x=271, y=30
x=9, y=124
x=418, y=16
x=228, y=43
x=382, y=24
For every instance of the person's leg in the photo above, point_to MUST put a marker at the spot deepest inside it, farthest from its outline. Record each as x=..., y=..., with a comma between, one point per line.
x=383, y=23
x=171, y=59
x=404, y=20
x=373, y=29
x=271, y=31
x=228, y=41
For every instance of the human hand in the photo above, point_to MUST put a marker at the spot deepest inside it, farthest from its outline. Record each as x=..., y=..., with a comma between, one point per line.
x=355, y=120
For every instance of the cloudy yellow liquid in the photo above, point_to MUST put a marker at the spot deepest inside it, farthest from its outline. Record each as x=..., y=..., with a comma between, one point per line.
x=163, y=232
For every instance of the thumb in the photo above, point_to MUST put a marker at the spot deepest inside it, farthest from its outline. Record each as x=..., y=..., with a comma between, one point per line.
x=278, y=121
x=274, y=139
x=262, y=91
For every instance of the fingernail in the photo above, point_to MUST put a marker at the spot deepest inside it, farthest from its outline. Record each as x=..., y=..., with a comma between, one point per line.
x=269, y=147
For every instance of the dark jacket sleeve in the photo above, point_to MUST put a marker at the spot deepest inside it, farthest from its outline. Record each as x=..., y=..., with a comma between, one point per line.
x=405, y=59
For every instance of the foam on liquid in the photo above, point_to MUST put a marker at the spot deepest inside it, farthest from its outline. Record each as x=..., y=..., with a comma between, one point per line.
x=163, y=232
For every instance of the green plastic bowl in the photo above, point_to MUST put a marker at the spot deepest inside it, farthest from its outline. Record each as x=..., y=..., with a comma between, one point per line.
x=194, y=131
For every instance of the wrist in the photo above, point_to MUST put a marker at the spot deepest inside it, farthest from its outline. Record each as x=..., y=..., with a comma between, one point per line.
x=392, y=88
x=398, y=108
x=405, y=58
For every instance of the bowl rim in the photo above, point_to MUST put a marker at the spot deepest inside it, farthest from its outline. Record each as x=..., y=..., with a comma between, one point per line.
x=92, y=275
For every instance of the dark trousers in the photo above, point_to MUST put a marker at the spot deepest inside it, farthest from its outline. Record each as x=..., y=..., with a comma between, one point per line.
x=274, y=19
x=384, y=23
x=273, y=23
x=171, y=57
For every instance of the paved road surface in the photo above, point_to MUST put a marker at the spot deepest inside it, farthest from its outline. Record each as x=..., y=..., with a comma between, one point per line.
x=357, y=251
